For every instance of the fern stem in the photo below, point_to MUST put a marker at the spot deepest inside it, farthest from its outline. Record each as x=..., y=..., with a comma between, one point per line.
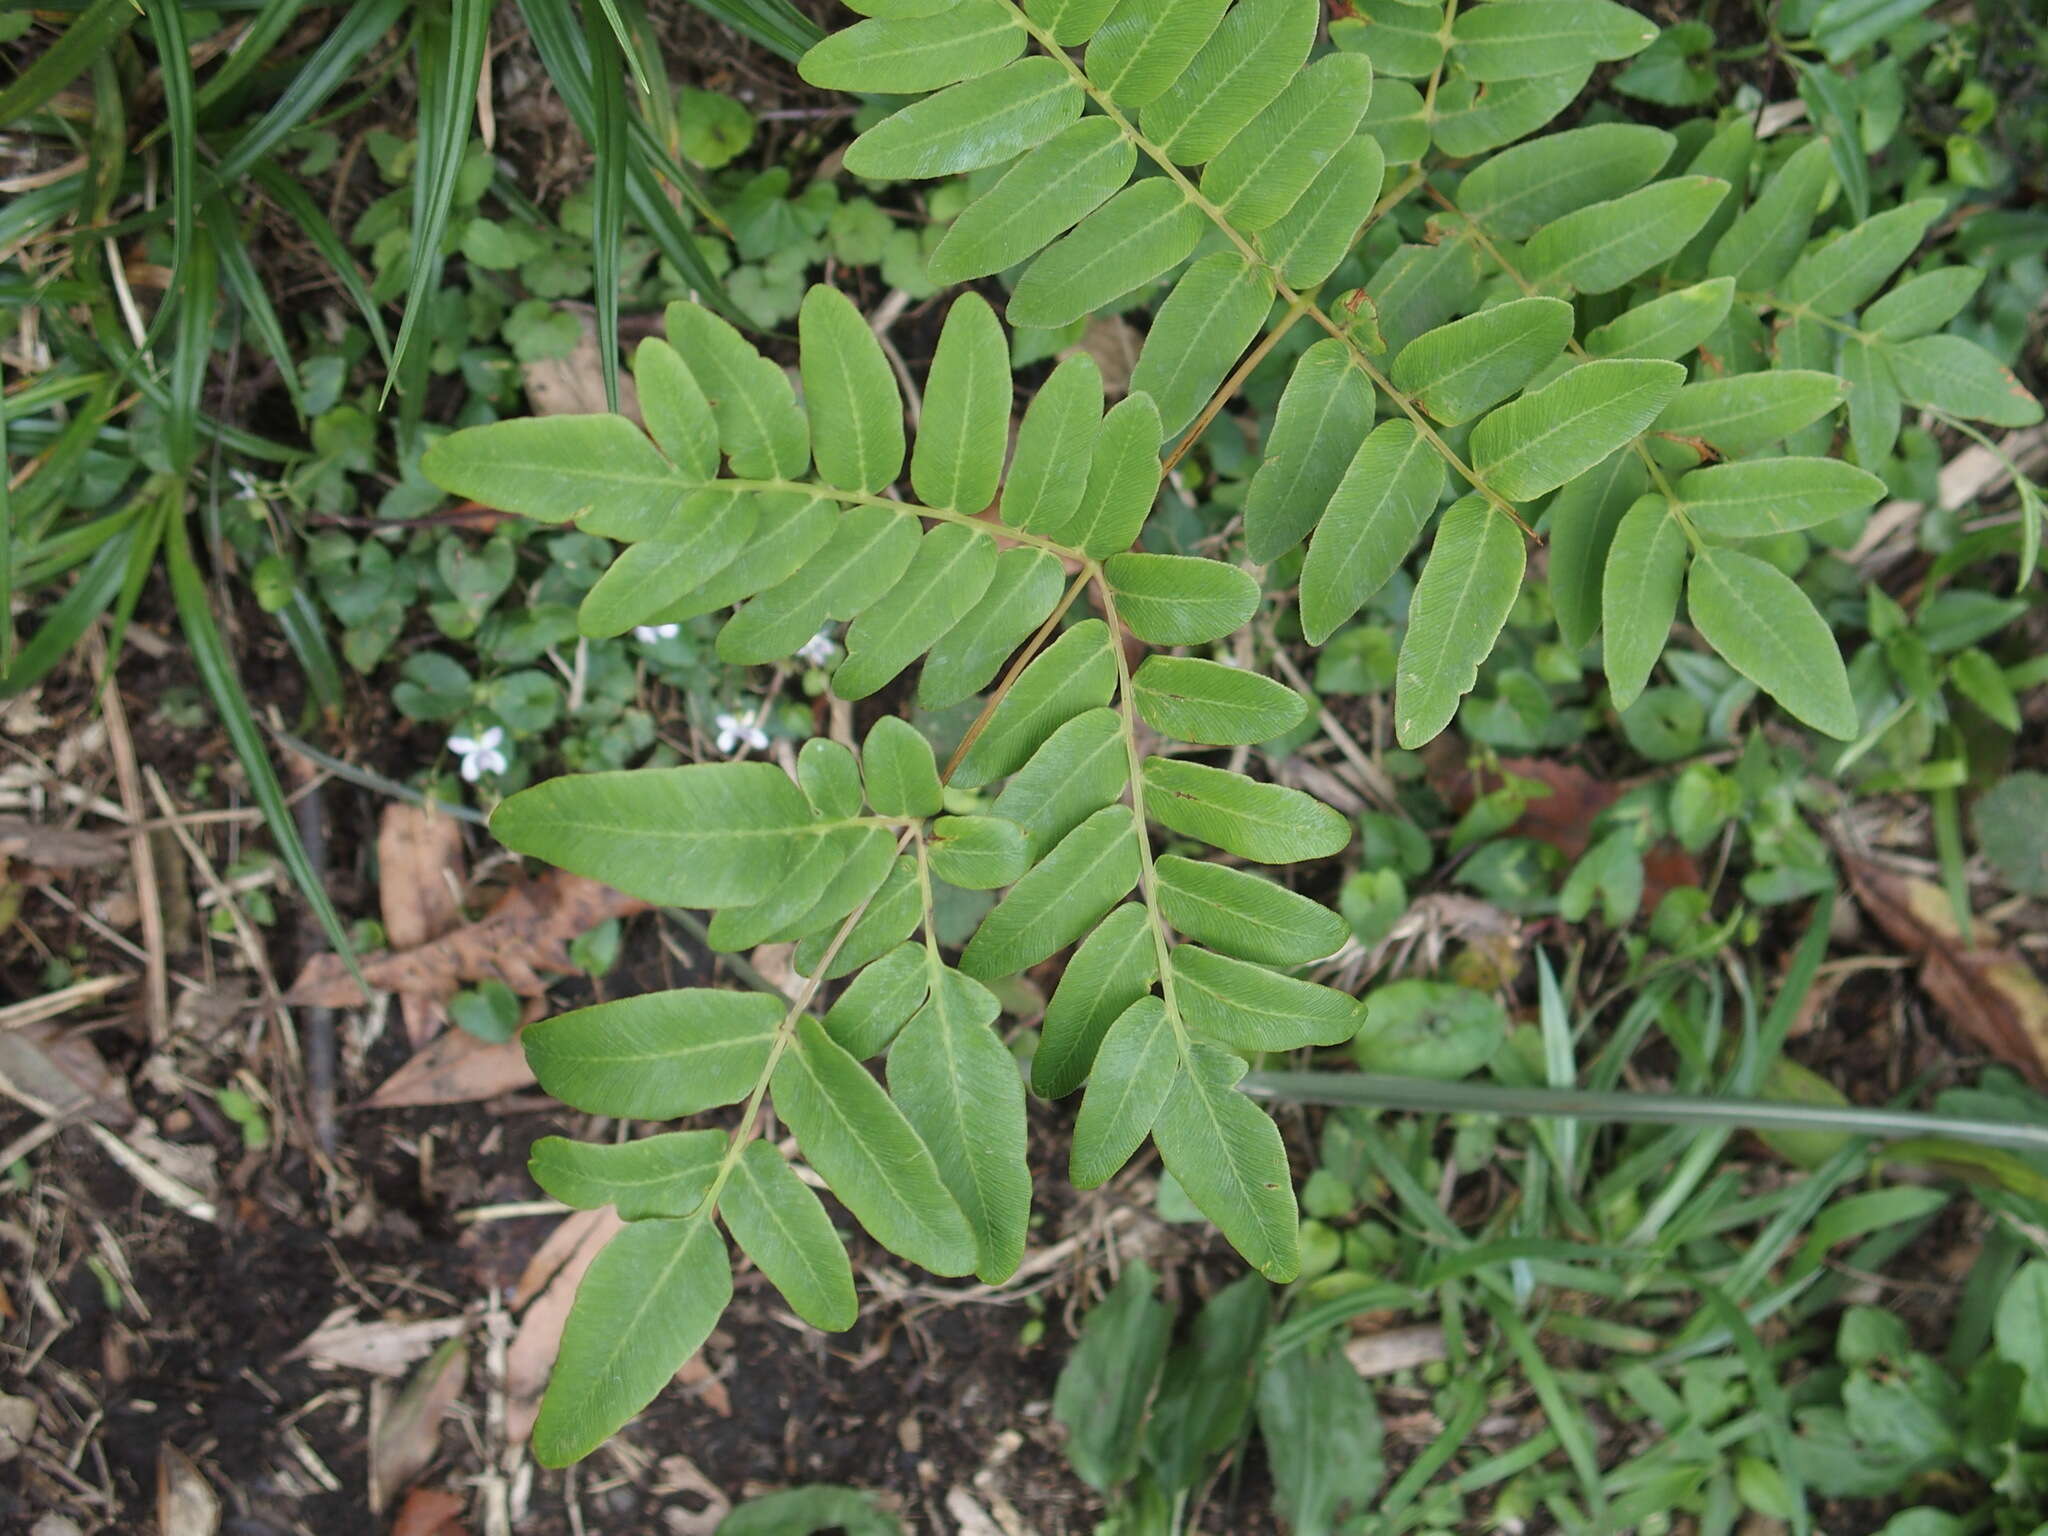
x=1024, y=659
x=980, y=525
x=1230, y=386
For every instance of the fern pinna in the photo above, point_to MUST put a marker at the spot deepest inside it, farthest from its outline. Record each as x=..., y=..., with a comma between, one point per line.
x=1625, y=337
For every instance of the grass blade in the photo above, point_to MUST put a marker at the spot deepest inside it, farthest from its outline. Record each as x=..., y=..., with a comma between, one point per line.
x=294, y=200
x=239, y=272
x=85, y=40
x=332, y=64
x=217, y=671
x=190, y=355
x=251, y=50
x=776, y=25
x=66, y=624
x=450, y=53
x=607, y=204
x=174, y=65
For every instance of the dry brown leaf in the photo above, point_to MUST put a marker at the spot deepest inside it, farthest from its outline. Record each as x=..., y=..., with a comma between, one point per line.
x=1113, y=342
x=455, y=1068
x=420, y=878
x=529, y=931
x=532, y=1352
x=186, y=1504
x=56, y=847
x=574, y=385
x=17, y=1425
x=60, y=1075
x=556, y=1250
x=1991, y=995
x=428, y=1512
x=1397, y=1349
x=405, y=1433
x=380, y=1347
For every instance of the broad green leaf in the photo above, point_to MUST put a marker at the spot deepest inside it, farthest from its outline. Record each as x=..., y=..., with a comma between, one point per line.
x=1071, y=22
x=1759, y=497
x=1123, y=480
x=965, y=429
x=1597, y=249
x=853, y=1134
x=1065, y=895
x=663, y=1175
x=1309, y=239
x=1740, y=415
x=1146, y=45
x=1456, y=371
x=760, y=426
x=782, y=1226
x=649, y=1299
x=658, y=1056
x=1228, y=1157
x=1543, y=37
x=809, y=1509
x=869, y=549
x=879, y=1001
x=1874, y=400
x=704, y=534
x=1726, y=155
x=1468, y=123
x=1107, y=1382
x=1323, y=417
x=678, y=417
x=1467, y=587
x=553, y=468
x=1179, y=599
x=897, y=765
x=904, y=56
x=1547, y=437
x=1767, y=237
x=1956, y=375
x=1025, y=588
x=850, y=391
x=1321, y=1428
x=1247, y=61
x=1401, y=39
x=1269, y=823
x=951, y=570
x=1645, y=568
x=969, y=125
x=1518, y=191
x=1922, y=304
x=1667, y=327
x=1769, y=631
x=892, y=915
x=1246, y=915
x=1207, y=702
x=1839, y=274
x=1075, y=673
x=1419, y=287
x=1583, y=517
x=1038, y=199
x=1131, y=1077
x=1372, y=523
x=707, y=835
x=1250, y=1008
x=1055, y=446
x=829, y=776
x=789, y=528
x=1260, y=174
x=1109, y=971
x=1081, y=768
x=1142, y=231
x=836, y=871
x=959, y=1087
x=900, y=10
x=978, y=853
x=1215, y=311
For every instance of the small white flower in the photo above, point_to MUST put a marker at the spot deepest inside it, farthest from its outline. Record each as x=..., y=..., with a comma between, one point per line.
x=817, y=650
x=648, y=634
x=480, y=754
x=735, y=729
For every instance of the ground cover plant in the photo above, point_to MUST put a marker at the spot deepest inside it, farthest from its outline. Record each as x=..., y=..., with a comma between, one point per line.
x=1418, y=545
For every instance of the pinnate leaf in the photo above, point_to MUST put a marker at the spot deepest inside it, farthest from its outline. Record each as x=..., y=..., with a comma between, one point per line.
x=1064, y=896
x=1769, y=631
x=553, y=468
x=1178, y=599
x=1109, y=970
x=903, y=56
x=1204, y=701
x=1374, y=519
x=1467, y=587
x=1246, y=915
x=1645, y=568
x=781, y=1225
x=969, y=125
x=657, y=1056
x=1516, y=192
x=1456, y=371
x=1324, y=414
x=1133, y=1073
x=1250, y=1008
x=965, y=429
x=1038, y=199
x=1266, y=822
x=1538, y=442
x=856, y=415
x=1759, y=497
x=662, y=1175
x=952, y=568
x=1142, y=231
x=1544, y=37
x=1227, y=1154
x=901, y=774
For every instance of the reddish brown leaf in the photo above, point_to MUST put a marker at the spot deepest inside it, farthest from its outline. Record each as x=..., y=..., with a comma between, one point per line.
x=528, y=932
x=420, y=879
x=561, y=1245
x=455, y=1068
x=405, y=1432
x=429, y=1512
x=1991, y=995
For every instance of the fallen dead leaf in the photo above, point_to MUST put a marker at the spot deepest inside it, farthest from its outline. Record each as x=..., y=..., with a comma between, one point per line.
x=405, y=1432
x=555, y=1250
x=186, y=1504
x=455, y=1068
x=574, y=385
x=696, y=1373
x=676, y=1474
x=529, y=931
x=420, y=878
x=1991, y=995
x=1397, y=1349
x=60, y=1075
x=1113, y=342
x=532, y=1352
x=380, y=1347
x=428, y=1512
x=56, y=847
x=17, y=1425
